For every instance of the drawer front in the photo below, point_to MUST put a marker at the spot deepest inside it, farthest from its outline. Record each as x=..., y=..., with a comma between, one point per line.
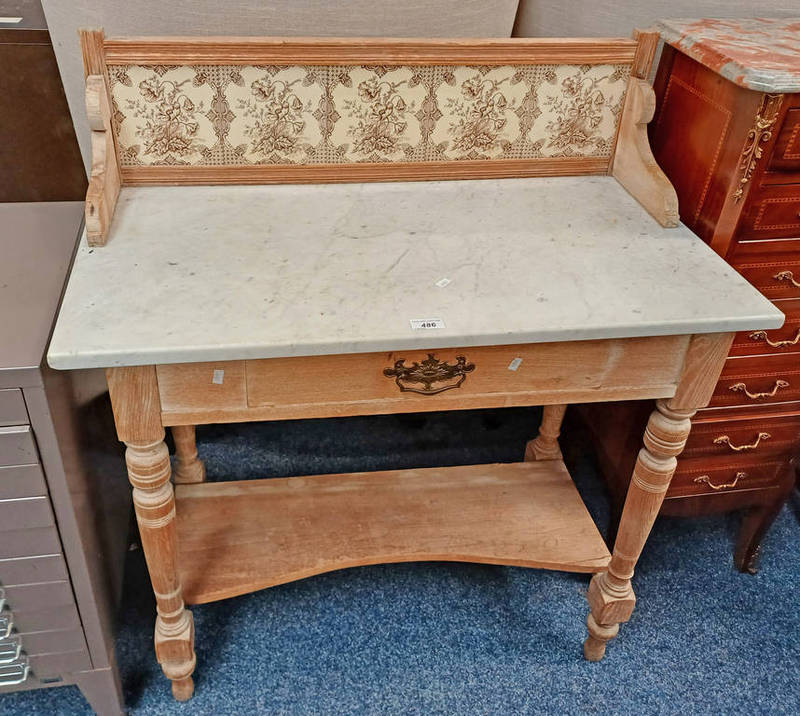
x=28, y=512
x=51, y=642
x=785, y=339
x=772, y=213
x=764, y=438
x=786, y=152
x=30, y=570
x=758, y=381
x=21, y=481
x=33, y=597
x=17, y=446
x=29, y=542
x=773, y=267
x=414, y=380
x=12, y=408
x=710, y=476
x=42, y=620
x=63, y=663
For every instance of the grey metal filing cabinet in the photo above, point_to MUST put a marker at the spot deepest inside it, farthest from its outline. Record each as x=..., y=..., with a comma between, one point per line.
x=64, y=502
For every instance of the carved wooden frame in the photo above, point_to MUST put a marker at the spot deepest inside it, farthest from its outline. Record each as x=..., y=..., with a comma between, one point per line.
x=630, y=161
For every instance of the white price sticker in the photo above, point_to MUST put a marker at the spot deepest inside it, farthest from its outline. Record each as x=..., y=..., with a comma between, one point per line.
x=219, y=376
x=514, y=364
x=420, y=324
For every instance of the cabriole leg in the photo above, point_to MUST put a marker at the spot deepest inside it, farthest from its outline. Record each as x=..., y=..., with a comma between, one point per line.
x=545, y=445
x=611, y=597
x=188, y=466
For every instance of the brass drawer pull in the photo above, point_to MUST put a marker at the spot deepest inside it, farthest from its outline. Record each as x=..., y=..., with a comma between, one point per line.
x=428, y=372
x=725, y=440
x=742, y=388
x=786, y=276
x=762, y=336
x=725, y=486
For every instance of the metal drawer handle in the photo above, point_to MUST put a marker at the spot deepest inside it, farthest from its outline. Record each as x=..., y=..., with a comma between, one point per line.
x=428, y=372
x=762, y=336
x=6, y=625
x=742, y=388
x=12, y=674
x=2, y=599
x=725, y=486
x=725, y=440
x=10, y=649
x=786, y=276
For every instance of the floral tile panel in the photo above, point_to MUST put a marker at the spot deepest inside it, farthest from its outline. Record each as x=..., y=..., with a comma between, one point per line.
x=249, y=115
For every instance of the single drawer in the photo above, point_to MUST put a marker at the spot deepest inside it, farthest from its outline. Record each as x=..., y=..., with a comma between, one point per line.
x=772, y=212
x=54, y=618
x=785, y=339
x=713, y=475
x=12, y=408
x=758, y=381
x=29, y=570
x=786, y=152
x=767, y=437
x=17, y=446
x=417, y=380
x=33, y=597
x=26, y=512
x=21, y=481
x=773, y=267
x=29, y=542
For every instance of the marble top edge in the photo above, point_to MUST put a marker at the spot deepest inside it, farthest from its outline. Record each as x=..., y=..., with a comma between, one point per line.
x=525, y=268
x=761, y=54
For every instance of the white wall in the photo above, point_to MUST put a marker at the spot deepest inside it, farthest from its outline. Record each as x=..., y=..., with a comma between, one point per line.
x=390, y=18
x=606, y=18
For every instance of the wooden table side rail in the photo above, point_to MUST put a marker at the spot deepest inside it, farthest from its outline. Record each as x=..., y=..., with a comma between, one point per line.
x=631, y=162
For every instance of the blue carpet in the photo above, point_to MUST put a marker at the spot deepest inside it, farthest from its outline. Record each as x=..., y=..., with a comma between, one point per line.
x=440, y=638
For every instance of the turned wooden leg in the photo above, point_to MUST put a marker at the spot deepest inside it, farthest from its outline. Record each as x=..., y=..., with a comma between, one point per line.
x=188, y=467
x=545, y=445
x=134, y=397
x=611, y=597
x=154, y=502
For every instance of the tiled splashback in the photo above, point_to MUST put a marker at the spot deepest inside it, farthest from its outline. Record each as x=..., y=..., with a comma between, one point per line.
x=234, y=115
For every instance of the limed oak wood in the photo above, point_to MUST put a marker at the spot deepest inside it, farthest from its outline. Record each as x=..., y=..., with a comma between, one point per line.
x=338, y=385
x=366, y=50
x=237, y=537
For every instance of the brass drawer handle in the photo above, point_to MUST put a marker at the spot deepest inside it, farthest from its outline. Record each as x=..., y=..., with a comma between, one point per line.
x=725, y=440
x=725, y=486
x=742, y=388
x=786, y=276
x=762, y=336
x=428, y=372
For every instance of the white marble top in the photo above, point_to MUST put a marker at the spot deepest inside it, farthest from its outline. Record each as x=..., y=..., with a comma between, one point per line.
x=228, y=272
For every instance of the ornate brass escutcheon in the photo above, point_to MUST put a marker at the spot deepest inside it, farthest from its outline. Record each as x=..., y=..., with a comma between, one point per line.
x=427, y=372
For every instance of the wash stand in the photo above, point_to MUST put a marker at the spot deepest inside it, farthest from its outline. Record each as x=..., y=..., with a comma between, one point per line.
x=246, y=260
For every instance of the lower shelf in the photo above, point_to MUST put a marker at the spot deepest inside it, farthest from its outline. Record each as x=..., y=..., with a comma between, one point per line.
x=238, y=537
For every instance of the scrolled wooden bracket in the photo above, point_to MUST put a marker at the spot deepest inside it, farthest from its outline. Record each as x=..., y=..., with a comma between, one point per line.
x=104, y=182
x=634, y=165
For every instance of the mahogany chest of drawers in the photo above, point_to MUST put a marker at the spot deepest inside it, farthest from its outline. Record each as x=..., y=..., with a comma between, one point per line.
x=726, y=131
